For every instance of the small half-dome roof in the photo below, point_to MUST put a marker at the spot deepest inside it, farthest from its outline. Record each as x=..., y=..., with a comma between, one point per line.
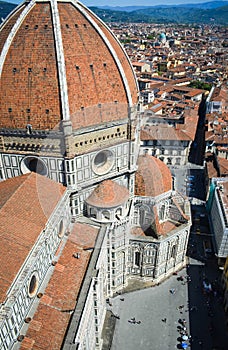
x=108, y=194
x=153, y=177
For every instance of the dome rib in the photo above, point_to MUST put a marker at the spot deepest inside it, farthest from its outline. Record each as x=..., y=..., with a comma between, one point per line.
x=60, y=61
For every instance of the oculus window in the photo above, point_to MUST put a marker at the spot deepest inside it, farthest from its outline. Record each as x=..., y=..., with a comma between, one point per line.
x=33, y=285
x=34, y=164
x=103, y=162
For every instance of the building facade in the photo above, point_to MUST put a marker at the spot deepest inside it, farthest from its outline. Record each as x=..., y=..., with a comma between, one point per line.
x=217, y=206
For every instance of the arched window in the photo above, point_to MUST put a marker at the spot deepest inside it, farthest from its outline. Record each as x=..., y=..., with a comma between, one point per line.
x=169, y=161
x=137, y=259
x=106, y=214
x=119, y=211
x=93, y=213
x=173, y=251
x=162, y=212
x=178, y=160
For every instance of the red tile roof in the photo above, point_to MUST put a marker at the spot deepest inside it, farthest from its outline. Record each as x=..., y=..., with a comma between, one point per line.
x=24, y=210
x=212, y=169
x=191, y=122
x=223, y=166
x=163, y=132
x=49, y=324
x=108, y=194
x=153, y=177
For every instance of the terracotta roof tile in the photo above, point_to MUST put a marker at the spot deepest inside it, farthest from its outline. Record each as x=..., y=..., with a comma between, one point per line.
x=163, y=132
x=35, y=325
x=83, y=235
x=59, y=300
x=191, y=122
x=25, y=209
x=27, y=344
x=153, y=177
x=166, y=227
x=223, y=166
x=51, y=332
x=108, y=194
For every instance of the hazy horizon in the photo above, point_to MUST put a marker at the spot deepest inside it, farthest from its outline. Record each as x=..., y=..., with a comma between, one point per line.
x=122, y=3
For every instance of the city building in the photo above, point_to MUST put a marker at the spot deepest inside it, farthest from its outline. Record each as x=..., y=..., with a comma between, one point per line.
x=168, y=136
x=216, y=122
x=216, y=150
x=84, y=215
x=218, y=214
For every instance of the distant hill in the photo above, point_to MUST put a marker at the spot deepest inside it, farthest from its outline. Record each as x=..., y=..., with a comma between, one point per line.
x=204, y=5
x=210, y=12
x=186, y=15
x=170, y=14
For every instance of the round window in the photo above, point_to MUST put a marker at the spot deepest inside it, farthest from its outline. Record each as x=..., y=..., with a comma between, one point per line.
x=103, y=162
x=33, y=285
x=100, y=159
x=33, y=164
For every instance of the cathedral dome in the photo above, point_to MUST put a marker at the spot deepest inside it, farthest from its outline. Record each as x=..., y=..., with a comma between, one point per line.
x=153, y=177
x=60, y=62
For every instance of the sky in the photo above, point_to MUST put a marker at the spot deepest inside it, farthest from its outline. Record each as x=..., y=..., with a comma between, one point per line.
x=130, y=2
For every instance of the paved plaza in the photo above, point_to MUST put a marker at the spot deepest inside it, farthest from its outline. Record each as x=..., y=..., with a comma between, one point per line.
x=150, y=306
x=156, y=311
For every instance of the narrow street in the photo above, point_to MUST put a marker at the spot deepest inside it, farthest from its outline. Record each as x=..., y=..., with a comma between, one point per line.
x=197, y=151
x=206, y=313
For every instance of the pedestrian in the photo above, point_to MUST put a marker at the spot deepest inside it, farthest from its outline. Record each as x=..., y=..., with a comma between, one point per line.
x=200, y=343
